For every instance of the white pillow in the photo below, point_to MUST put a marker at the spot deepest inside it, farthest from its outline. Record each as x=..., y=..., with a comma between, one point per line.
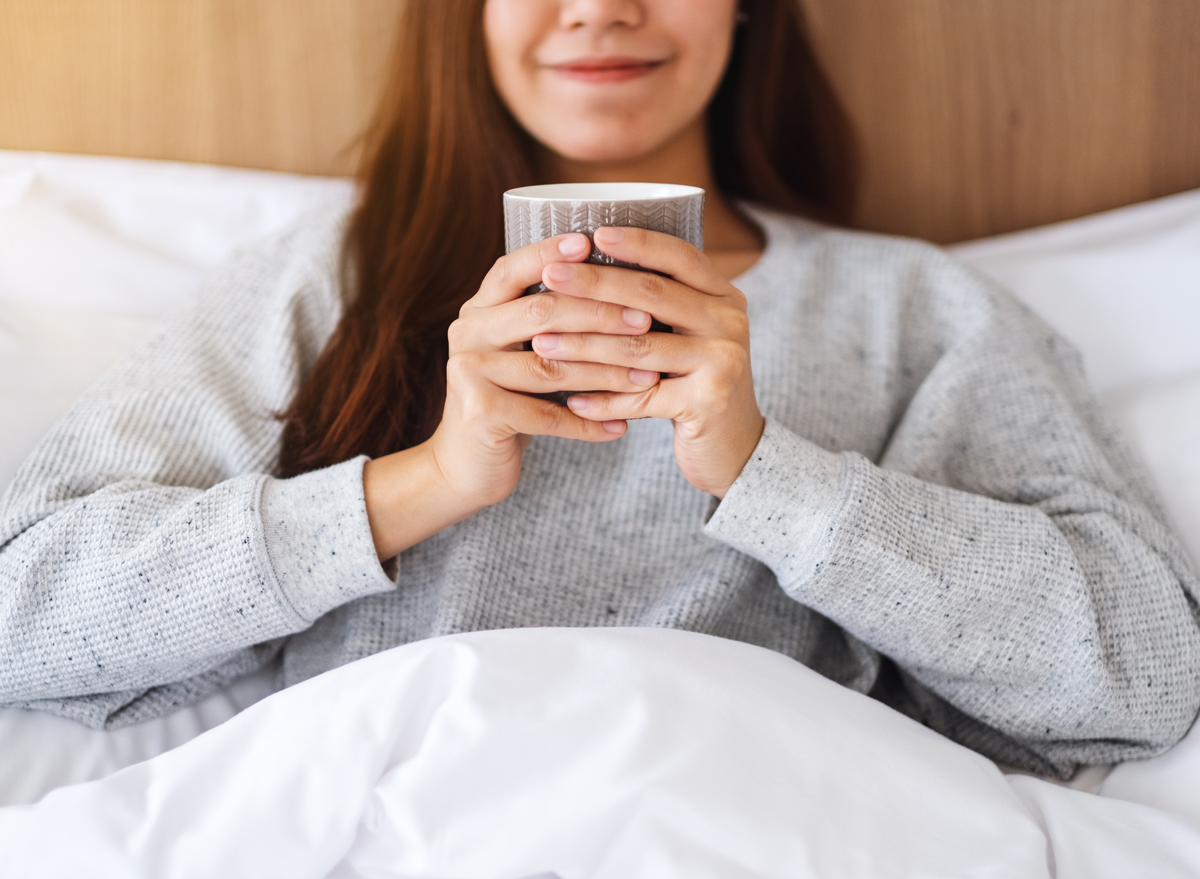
x=94, y=251
x=130, y=235
x=49, y=355
x=1124, y=286
x=1162, y=421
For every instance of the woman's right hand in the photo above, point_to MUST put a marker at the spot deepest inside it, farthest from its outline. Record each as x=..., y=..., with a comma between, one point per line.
x=473, y=459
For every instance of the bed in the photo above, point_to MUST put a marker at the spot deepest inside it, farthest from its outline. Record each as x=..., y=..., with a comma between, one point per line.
x=588, y=753
x=604, y=752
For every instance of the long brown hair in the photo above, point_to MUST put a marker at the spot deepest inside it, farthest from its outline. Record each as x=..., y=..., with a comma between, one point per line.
x=439, y=155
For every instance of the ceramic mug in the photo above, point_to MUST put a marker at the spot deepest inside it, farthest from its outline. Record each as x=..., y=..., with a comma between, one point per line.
x=532, y=213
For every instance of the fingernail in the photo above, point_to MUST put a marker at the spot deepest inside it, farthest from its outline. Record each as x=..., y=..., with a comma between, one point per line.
x=547, y=341
x=574, y=245
x=643, y=377
x=579, y=402
x=609, y=235
x=614, y=426
x=635, y=318
x=560, y=271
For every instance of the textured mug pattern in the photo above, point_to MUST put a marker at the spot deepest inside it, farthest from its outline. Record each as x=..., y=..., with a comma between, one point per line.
x=527, y=220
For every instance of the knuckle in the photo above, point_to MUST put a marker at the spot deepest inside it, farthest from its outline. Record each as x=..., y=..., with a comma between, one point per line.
x=476, y=410
x=637, y=347
x=454, y=369
x=540, y=308
x=501, y=269
x=739, y=322
x=516, y=267
x=723, y=388
x=456, y=333
x=729, y=356
x=550, y=417
x=693, y=259
x=642, y=402
x=460, y=367
x=547, y=370
x=651, y=286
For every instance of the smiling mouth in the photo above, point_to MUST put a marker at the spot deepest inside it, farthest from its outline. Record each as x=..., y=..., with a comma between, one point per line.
x=601, y=70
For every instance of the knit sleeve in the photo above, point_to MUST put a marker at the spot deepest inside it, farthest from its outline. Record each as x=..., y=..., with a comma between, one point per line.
x=1002, y=556
x=147, y=557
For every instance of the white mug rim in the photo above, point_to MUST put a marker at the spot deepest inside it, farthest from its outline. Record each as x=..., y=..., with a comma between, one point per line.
x=577, y=192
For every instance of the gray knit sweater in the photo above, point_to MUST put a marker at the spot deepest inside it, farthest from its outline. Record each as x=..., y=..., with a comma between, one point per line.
x=937, y=514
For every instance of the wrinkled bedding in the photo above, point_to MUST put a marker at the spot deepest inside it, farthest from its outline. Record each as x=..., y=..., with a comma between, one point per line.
x=589, y=753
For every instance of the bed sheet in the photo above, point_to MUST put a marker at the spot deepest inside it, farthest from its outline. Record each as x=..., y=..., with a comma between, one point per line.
x=93, y=252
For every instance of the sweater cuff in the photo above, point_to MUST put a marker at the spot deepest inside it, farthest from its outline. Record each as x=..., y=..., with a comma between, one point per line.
x=783, y=506
x=318, y=539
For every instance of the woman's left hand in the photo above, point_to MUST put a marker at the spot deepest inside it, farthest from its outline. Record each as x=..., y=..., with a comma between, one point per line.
x=709, y=393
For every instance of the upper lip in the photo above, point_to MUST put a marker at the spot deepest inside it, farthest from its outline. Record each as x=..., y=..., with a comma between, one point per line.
x=605, y=62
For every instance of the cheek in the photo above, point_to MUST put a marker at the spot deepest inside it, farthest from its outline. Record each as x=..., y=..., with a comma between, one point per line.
x=511, y=30
x=704, y=29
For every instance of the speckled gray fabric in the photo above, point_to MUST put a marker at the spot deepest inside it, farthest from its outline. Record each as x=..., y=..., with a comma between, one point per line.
x=937, y=514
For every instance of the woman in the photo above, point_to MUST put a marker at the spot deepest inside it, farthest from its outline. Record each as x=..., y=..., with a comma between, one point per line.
x=863, y=456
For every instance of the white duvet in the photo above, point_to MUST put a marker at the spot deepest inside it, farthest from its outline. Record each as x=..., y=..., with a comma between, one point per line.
x=615, y=753
x=584, y=752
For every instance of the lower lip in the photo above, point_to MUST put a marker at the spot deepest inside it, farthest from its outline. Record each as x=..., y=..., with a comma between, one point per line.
x=607, y=74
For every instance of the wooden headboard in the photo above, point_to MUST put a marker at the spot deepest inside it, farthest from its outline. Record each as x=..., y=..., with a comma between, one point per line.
x=975, y=116
x=278, y=84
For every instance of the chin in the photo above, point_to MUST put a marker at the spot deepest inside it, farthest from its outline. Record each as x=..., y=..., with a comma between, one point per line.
x=605, y=145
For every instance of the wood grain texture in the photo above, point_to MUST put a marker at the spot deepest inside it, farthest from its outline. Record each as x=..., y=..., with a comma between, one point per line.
x=984, y=116
x=976, y=116
x=280, y=84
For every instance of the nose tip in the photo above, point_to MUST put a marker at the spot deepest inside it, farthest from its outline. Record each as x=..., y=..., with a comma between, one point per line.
x=602, y=14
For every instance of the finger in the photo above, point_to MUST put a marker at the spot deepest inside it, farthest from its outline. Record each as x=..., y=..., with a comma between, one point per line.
x=657, y=402
x=668, y=300
x=526, y=372
x=505, y=325
x=655, y=352
x=522, y=268
x=533, y=417
x=662, y=253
